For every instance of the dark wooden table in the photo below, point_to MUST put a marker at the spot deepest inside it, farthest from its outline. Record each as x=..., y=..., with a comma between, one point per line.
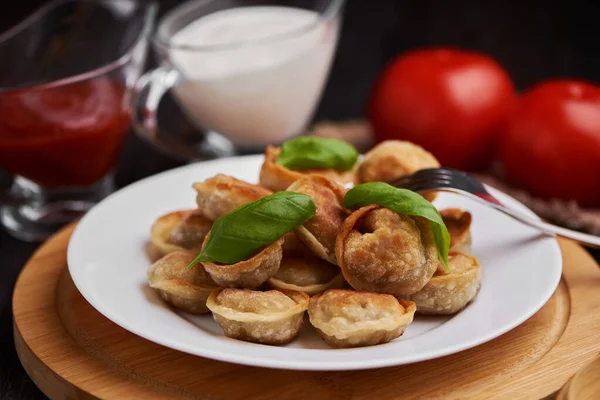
x=532, y=39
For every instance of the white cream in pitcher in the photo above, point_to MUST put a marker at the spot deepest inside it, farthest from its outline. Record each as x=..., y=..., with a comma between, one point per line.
x=255, y=74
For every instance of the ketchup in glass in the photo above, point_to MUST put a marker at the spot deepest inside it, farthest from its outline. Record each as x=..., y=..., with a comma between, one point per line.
x=69, y=135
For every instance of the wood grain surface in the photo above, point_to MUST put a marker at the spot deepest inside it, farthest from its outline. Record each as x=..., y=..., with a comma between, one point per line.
x=584, y=385
x=72, y=351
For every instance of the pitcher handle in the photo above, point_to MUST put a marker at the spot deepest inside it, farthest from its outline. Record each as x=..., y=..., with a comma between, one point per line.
x=146, y=95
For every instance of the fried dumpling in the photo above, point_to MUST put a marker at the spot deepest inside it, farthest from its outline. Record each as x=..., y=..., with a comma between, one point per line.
x=346, y=318
x=381, y=251
x=179, y=286
x=450, y=293
x=180, y=231
x=278, y=178
x=306, y=274
x=250, y=273
x=458, y=223
x=319, y=233
x=292, y=246
x=271, y=317
x=393, y=158
x=222, y=194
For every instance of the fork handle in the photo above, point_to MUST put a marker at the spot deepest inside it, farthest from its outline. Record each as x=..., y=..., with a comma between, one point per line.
x=582, y=238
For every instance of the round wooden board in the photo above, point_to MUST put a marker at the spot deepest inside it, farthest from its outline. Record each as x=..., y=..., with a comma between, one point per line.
x=71, y=351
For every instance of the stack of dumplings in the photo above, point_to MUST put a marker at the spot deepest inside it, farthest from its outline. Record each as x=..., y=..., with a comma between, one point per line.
x=359, y=276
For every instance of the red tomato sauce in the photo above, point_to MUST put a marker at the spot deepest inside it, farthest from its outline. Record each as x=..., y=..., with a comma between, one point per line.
x=64, y=136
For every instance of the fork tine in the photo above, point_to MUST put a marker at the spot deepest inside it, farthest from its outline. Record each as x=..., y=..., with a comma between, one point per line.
x=432, y=178
x=401, y=180
x=432, y=173
x=424, y=174
x=444, y=178
x=419, y=188
x=418, y=185
x=427, y=179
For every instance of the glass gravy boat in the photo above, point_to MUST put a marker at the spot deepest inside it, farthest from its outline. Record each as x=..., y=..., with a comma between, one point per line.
x=66, y=77
x=246, y=73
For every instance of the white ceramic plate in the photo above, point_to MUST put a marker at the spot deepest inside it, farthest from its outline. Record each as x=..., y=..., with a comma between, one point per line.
x=108, y=263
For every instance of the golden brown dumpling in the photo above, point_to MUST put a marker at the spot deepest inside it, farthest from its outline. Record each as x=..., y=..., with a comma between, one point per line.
x=346, y=318
x=307, y=274
x=249, y=273
x=222, y=194
x=381, y=251
x=292, y=246
x=450, y=293
x=393, y=158
x=272, y=317
x=458, y=223
x=278, y=178
x=319, y=233
x=180, y=231
x=179, y=286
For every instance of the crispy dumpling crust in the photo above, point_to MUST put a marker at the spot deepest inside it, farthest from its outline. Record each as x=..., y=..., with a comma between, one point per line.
x=222, y=194
x=249, y=273
x=278, y=178
x=182, y=230
x=306, y=274
x=394, y=158
x=319, y=233
x=271, y=317
x=179, y=286
x=458, y=223
x=292, y=246
x=383, y=252
x=449, y=293
x=347, y=318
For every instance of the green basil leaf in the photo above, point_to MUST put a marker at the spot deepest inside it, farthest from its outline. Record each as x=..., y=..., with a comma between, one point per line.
x=402, y=201
x=240, y=234
x=306, y=152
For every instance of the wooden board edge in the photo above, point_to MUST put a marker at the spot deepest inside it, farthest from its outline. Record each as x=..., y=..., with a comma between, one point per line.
x=53, y=385
x=552, y=362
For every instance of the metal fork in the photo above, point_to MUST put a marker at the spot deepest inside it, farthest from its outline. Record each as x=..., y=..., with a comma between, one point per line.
x=451, y=180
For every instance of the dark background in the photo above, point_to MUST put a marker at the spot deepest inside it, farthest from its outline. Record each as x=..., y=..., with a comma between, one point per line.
x=534, y=40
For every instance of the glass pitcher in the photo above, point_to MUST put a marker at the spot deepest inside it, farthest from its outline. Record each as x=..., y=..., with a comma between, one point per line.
x=247, y=73
x=65, y=83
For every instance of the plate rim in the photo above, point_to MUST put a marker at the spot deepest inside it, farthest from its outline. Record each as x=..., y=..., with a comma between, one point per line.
x=291, y=364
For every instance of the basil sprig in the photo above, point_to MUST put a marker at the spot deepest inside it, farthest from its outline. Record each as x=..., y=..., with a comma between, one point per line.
x=402, y=201
x=306, y=152
x=240, y=234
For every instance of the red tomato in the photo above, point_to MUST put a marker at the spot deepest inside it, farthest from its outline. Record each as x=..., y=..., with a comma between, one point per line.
x=449, y=101
x=551, y=145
